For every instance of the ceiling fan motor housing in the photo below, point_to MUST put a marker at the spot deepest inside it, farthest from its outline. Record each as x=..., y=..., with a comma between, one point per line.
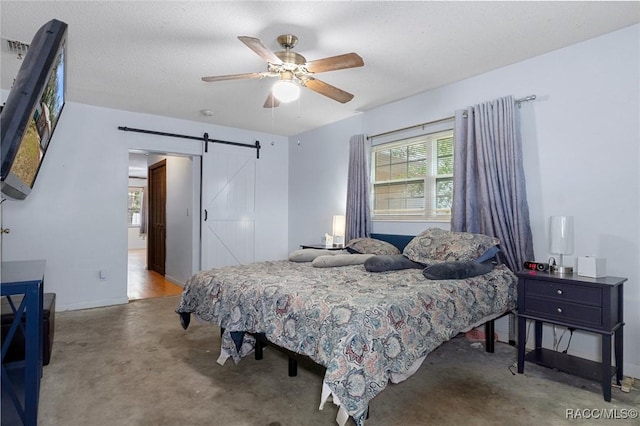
x=289, y=57
x=288, y=41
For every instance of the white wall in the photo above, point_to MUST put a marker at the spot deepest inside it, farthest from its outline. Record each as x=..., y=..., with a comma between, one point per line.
x=75, y=217
x=134, y=239
x=318, y=170
x=581, y=152
x=179, y=217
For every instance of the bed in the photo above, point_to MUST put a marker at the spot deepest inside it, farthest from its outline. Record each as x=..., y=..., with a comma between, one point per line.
x=366, y=328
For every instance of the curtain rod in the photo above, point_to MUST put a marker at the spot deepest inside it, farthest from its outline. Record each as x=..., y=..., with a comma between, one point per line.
x=441, y=120
x=204, y=138
x=404, y=129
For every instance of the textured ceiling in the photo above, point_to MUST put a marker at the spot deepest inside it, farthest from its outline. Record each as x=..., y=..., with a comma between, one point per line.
x=149, y=57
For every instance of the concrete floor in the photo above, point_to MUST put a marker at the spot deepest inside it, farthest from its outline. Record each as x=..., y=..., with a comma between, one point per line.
x=134, y=365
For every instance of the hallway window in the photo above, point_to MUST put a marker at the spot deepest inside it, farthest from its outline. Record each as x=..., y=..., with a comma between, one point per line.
x=135, y=206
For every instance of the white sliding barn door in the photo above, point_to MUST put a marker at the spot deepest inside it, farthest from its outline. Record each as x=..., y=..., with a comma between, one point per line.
x=228, y=206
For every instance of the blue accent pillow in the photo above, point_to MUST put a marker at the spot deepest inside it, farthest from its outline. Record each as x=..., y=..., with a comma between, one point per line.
x=489, y=254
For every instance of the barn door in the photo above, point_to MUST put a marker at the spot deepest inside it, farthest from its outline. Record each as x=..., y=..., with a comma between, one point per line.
x=228, y=206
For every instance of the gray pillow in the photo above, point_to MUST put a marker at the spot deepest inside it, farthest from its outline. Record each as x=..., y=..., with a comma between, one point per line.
x=340, y=260
x=390, y=262
x=456, y=270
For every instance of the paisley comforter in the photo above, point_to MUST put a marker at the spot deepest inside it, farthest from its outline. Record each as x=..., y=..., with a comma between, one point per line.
x=363, y=327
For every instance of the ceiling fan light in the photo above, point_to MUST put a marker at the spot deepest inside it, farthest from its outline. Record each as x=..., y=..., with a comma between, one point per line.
x=286, y=90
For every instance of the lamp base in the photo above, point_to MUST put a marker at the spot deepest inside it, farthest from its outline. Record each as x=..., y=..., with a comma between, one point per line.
x=561, y=270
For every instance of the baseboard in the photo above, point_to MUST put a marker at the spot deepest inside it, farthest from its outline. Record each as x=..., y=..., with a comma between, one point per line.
x=174, y=280
x=92, y=304
x=631, y=370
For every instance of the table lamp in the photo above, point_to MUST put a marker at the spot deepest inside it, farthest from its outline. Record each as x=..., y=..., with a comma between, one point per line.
x=560, y=242
x=338, y=230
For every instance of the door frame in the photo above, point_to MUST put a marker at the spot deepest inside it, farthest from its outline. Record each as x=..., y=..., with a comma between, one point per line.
x=196, y=194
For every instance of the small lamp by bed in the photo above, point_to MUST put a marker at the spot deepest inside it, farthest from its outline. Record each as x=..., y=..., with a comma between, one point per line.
x=560, y=242
x=339, y=223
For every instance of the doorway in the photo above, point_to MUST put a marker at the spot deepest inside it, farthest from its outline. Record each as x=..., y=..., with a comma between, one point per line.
x=160, y=254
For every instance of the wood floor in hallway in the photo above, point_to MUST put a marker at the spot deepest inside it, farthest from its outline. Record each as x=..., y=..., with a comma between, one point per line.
x=145, y=284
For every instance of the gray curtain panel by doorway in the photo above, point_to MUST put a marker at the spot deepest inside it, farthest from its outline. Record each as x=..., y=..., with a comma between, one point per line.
x=489, y=191
x=358, y=217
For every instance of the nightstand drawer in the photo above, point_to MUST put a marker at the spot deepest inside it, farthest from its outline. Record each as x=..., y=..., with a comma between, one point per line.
x=564, y=292
x=563, y=311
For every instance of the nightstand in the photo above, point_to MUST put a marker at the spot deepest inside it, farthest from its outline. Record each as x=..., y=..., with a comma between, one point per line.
x=588, y=304
x=320, y=246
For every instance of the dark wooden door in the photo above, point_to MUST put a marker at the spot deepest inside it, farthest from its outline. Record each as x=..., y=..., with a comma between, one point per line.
x=156, y=245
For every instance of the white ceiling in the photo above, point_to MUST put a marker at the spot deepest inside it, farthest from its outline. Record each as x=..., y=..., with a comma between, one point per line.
x=149, y=56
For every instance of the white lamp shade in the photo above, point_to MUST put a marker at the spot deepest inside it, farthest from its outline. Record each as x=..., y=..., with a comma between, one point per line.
x=338, y=225
x=561, y=234
x=285, y=90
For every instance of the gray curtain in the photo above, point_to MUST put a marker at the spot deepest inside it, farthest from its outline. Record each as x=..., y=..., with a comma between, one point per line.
x=358, y=217
x=489, y=191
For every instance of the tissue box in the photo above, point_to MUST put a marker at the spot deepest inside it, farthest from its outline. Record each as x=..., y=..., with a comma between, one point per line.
x=327, y=241
x=594, y=267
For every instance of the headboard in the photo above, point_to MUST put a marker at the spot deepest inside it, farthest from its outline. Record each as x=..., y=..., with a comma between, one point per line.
x=400, y=241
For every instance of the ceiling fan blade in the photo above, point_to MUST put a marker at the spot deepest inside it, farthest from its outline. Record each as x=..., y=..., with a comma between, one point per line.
x=234, y=76
x=271, y=101
x=262, y=50
x=328, y=90
x=348, y=60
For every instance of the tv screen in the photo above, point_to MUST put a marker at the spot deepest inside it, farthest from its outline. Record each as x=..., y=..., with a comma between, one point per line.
x=32, y=110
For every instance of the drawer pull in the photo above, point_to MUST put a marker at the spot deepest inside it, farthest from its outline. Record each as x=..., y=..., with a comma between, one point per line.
x=559, y=291
x=559, y=310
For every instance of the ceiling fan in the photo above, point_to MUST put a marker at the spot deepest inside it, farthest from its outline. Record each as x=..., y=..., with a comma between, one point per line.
x=293, y=71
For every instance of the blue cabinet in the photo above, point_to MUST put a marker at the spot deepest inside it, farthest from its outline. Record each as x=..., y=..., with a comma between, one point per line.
x=21, y=379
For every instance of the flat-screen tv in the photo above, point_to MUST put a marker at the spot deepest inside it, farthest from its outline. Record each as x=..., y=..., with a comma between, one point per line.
x=32, y=110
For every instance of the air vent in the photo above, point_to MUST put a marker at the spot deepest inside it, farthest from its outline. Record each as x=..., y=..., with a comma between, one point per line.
x=17, y=47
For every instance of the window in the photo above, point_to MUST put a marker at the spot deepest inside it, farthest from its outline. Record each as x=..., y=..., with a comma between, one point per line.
x=412, y=179
x=135, y=205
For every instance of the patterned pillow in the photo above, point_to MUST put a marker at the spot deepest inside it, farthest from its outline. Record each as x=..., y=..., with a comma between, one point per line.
x=438, y=245
x=371, y=246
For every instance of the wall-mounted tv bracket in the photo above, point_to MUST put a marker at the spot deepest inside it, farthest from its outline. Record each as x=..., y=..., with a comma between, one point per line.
x=204, y=138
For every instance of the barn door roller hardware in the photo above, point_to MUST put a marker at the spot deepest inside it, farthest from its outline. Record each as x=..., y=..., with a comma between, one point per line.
x=204, y=138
